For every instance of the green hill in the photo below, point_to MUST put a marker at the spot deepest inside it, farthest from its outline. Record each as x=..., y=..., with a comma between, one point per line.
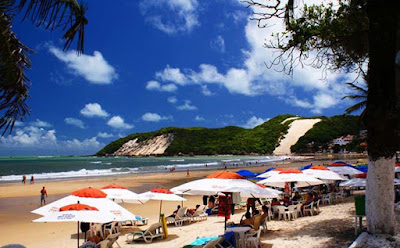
x=327, y=130
x=240, y=141
x=211, y=141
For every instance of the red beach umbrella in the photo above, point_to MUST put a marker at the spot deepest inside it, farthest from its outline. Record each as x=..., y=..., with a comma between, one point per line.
x=113, y=186
x=225, y=175
x=90, y=193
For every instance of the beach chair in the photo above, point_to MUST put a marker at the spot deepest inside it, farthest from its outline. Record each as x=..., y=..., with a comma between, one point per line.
x=326, y=199
x=264, y=225
x=254, y=240
x=291, y=212
x=111, y=227
x=281, y=212
x=179, y=218
x=199, y=215
x=154, y=231
x=257, y=222
x=309, y=209
x=96, y=229
x=299, y=212
x=316, y=209
x=140, y=221
x=109, y=241
x=216, y=243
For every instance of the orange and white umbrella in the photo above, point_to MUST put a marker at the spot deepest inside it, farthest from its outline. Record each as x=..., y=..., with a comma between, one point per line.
x=224, y=181
x=323, y=173
x=343, y=169
x=92, y=197
x=291, y=176
x=77, y=213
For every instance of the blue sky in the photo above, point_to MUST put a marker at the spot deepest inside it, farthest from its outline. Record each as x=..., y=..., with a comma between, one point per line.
x=156, y=63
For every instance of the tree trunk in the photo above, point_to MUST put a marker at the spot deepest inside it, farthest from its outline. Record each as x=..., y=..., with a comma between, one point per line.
x=382, y=118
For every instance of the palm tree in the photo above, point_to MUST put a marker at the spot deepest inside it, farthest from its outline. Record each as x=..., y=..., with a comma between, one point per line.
x=67, y=15
x=361, y=95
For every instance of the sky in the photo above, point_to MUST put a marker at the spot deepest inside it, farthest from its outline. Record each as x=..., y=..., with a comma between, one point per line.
x=150, y=64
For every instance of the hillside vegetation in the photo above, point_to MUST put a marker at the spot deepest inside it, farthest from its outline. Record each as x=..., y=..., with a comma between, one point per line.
x=262, y=139
x=206, y=141
x=327, y=130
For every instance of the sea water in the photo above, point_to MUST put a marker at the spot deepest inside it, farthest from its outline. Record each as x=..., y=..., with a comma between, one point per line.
x=62, y=167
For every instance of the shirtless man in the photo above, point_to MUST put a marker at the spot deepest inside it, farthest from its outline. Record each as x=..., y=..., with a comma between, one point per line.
x=43, y=196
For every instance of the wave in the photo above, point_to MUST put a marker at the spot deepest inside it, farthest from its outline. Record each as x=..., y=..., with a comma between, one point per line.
x=177, y=160
x=72, y=174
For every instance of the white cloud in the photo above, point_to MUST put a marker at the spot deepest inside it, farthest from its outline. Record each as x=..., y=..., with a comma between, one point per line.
x=173, y=75
x=18, y=124
x=154, y=85
x=119, y=123
x=39, y=123
x=104, y=135
x=199, y=118
x=30, y=136
x=75, y=122
x=186, y=106
x=254, y=121
x=218, y=44
x=172, y=99
x=252, y=77
x=91, y=144
x=93, y=110
x=171, y=16
x=206, y=91
x=94, y=68
x=154, y=117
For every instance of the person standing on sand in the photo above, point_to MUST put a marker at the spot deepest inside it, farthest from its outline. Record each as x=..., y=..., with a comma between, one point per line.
x=32, y=180
x=24, y=179
x=43, y=196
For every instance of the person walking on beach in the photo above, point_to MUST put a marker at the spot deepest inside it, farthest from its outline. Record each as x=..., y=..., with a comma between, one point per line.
x=43, y=196
x=24, y=179
x=32, y=180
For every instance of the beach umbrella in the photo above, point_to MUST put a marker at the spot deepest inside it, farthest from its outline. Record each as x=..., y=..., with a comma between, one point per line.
x=77, y=213
x=224, y=182
x=343, y=169
x=291, y=176
x=247, y=173
x=361, y=182
x=120, y=194
x=161, y=195
x=92, y=197
x=270, y=173
x=323, y=173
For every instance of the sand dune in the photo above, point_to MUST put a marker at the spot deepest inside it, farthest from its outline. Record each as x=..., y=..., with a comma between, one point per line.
x=296, y=129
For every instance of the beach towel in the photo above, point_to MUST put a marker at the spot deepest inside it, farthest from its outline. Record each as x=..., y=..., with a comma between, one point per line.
x=203, y=240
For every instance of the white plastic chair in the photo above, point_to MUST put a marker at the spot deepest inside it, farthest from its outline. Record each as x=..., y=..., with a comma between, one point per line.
x=111, y=228
x=326, y=199
x=308, y=208
x=281, y=212
x=96, y=228
x=254, y=241
x=316, y=207
x=299, y=213
x=292, y=212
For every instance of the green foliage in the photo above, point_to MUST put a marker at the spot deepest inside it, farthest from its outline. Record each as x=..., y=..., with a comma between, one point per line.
x=327, y=130
x=204, y=141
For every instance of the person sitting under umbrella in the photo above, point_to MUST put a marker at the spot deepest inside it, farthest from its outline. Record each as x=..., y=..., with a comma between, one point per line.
x=248, y=221
x=175, y=212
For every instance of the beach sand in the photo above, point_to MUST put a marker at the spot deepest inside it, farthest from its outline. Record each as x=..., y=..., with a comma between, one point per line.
x=332, y=228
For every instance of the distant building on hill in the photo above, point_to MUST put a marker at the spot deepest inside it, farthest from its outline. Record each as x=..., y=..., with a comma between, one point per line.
x=342, y=141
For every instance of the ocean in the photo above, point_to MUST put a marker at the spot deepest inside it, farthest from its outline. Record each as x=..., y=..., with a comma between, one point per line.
x=62, y=167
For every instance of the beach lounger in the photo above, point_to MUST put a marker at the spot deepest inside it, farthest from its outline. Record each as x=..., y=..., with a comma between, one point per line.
x=138, y=221
x=154, y=231
x=216, y=243
x=109, y=241
x=179, y=218
x=199, y=215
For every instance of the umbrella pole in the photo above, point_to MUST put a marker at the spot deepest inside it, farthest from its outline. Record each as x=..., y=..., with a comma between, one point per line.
x=78, y=235
x=159, y=216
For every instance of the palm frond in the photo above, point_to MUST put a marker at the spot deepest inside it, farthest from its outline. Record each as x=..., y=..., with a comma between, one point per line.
x=358, y=88
x=355, y=97
x=52, y=14
x=13, y=81
x=356, y=107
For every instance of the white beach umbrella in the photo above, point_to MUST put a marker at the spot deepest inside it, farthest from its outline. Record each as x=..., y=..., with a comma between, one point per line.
x=397, y=169
x=77, y=213
x=323, y=173
x=212, y=186
x=95, y=198
x=120, y=194
x=361, y=182
x=270, y=173
x=343, y=169
x=161, y=195
x=291, y=176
